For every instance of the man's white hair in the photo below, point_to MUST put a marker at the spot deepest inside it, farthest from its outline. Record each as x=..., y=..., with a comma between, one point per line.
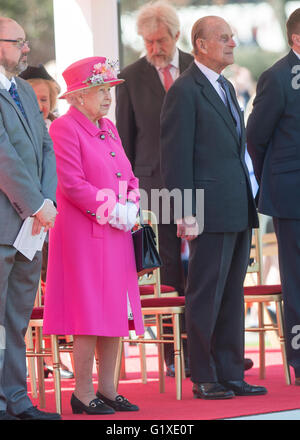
x=151, y=15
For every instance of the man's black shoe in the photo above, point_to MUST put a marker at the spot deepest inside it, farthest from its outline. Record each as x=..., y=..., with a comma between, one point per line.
x=171, y=371
x=33, y=413
x=242, y=388
x=248, y=363
x=6, y=416
x=211, y=391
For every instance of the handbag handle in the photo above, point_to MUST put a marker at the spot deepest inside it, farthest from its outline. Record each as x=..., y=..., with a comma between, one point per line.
x=141, y=217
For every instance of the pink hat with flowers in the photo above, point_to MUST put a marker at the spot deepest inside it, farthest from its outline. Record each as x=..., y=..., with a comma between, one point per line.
x=90, y=72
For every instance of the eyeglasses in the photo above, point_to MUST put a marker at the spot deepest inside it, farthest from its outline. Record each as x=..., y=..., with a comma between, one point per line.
x=20, y=42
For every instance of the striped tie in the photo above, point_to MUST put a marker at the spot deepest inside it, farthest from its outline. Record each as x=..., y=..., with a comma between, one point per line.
x=230, y=104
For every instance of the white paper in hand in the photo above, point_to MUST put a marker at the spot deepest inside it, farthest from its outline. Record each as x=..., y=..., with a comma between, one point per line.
x=26, y=243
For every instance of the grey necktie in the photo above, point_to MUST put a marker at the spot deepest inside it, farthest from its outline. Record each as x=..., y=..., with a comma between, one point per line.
x=230, y=104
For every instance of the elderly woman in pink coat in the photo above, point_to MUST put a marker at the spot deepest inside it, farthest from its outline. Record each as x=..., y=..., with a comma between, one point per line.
x=92, y=285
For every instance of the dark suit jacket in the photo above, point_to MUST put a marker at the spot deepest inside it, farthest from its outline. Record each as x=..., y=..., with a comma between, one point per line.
x=138, y=104
x=273, y=138
x=200, y=148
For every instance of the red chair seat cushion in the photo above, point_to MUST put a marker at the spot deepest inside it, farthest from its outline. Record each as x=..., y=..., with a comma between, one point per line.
x=37, y=313
x=263, y=289
x=176, y=301
x=149, y=290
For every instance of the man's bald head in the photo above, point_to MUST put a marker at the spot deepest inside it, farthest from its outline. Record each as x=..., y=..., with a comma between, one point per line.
x=213, y=42
x=204, y=28
x=4, y=23
x=13, y=47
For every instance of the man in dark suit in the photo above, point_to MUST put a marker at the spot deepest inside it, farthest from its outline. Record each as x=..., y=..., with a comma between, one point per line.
x=138, y=104
x=27, y=189
x=203, y=147
x=273, y=137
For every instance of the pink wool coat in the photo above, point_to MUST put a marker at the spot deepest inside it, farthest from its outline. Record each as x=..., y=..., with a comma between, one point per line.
x=91, y=266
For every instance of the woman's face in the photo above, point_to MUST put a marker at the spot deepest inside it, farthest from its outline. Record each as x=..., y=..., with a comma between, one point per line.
x=43, y=96
x=96, y=102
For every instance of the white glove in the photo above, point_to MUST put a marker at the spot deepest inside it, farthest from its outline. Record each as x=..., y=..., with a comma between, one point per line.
x=123, y=217
x=132, y=211
x=118, y=217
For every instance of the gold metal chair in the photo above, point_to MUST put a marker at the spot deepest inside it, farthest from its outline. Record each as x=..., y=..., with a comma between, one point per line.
x=161, y=301
x=262, y=294
x=35, y=350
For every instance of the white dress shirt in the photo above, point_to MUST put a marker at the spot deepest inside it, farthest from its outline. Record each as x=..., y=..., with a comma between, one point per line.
x=6, y=83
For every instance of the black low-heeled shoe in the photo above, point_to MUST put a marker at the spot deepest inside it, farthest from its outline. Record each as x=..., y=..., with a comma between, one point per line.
x=119, y=404
x=96, y=406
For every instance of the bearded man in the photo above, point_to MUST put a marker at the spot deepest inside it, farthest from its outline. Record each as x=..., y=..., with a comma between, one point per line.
x=27, y=189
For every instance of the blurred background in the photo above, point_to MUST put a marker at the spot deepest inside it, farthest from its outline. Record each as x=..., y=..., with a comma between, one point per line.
x=259, y=28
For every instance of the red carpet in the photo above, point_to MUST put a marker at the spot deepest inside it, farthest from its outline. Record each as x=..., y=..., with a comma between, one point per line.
x=156, y=406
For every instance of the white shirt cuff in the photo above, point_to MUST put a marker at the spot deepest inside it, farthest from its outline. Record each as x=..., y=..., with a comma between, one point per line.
x=41, y=207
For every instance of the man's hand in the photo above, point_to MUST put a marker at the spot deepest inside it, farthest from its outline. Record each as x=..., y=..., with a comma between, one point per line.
x=187, y=228
x=44, y=217
x=36, y=226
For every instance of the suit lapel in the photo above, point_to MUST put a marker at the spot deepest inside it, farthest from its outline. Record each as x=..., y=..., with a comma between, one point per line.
x=8, y=97
x=28, y=111
x=241, y=115
x=151, y=78
x=27, y=128
x=214, y=99
x=184, y=61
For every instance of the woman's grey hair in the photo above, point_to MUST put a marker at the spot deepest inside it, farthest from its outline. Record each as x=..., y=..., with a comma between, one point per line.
x=151, y=15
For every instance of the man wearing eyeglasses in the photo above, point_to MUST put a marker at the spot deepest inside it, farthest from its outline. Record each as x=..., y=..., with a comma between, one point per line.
x=27, y=189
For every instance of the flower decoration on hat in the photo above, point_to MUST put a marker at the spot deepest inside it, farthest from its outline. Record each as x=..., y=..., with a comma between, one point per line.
x=103, y=73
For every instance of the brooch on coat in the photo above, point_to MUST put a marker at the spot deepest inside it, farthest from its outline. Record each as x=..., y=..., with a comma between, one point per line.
x=111, y=134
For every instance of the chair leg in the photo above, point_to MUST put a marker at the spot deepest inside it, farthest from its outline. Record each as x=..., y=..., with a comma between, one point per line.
x=56, y=372
x=161, y=356
x=123, y=364
x=31, y=363
x=182, y=364
x=279, y=314
x=119, y=363
x=177, y=356
x=262, y=360
x=70, y=340
x=142, y=350
x=40, y=367
x=97, y=362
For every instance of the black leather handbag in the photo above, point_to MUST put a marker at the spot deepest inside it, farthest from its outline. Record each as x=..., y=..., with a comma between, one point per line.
x=146, y=256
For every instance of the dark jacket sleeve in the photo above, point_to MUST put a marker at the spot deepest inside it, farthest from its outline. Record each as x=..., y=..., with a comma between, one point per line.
x=268, y=106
